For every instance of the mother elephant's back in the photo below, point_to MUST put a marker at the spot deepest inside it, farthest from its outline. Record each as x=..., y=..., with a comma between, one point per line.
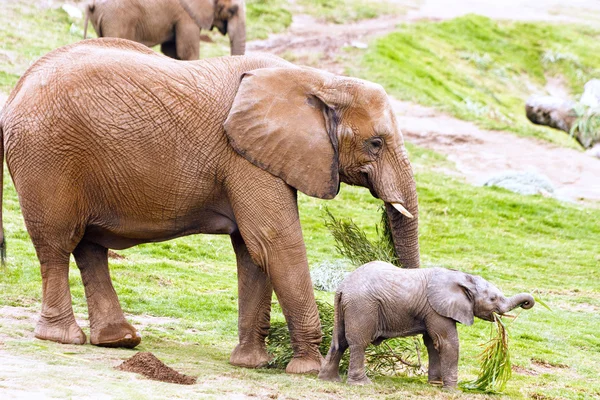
x=109, y=125
x=117, y=99
x=123, y=77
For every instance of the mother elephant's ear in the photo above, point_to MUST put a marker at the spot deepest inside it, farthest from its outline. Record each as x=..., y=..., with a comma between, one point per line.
x=282, y=121
x=450, y=294
x=201, y=11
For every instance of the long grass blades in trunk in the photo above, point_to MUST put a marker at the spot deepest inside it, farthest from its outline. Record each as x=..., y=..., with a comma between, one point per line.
x=495, y=368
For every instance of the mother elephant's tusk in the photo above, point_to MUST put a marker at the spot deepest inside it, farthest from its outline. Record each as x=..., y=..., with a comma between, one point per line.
x=402, y=210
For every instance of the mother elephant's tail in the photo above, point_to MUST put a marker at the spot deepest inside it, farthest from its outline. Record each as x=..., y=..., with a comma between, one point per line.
x=2, y=241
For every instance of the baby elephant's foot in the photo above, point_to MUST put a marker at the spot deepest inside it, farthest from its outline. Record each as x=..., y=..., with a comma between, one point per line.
x=120, y=334
x=359, y=382
x=450, y=387
x=69, y=333
x=329, y=374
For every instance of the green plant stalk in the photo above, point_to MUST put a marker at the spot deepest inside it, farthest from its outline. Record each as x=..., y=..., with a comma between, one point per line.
x=496, y=368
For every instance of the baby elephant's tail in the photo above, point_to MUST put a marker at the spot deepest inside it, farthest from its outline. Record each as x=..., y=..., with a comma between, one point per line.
x=338, y=339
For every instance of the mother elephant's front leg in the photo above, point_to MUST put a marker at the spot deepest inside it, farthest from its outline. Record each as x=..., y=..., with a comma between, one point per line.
x=270, y=227
x=254, y=304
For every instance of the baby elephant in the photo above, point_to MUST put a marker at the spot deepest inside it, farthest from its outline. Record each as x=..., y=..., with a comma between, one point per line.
x=379, y=301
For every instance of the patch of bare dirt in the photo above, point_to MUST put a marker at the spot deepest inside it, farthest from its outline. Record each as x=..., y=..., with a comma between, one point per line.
x=523, y=371
x=316, y=43
x=145, y=363
x=544, y=367
x=479, y=154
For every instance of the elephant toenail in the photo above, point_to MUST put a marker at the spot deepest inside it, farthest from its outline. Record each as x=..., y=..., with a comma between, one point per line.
x=128, y=336
x=137, y=334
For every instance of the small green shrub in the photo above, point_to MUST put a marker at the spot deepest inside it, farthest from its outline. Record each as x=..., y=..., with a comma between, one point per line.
x=586, y=128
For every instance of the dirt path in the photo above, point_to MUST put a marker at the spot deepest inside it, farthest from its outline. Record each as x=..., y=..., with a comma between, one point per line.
x=477, y=153
x=480, y=154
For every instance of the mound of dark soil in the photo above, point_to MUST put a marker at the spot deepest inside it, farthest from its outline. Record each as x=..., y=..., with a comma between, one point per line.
x=147, y=364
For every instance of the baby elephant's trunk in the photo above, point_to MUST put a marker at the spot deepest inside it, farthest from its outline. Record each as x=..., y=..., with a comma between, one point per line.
x=523, y=300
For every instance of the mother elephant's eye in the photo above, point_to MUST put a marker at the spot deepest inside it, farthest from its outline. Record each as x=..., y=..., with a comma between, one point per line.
x=375, y=144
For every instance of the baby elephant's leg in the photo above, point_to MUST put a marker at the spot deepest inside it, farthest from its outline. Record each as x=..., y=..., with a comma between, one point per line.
x=445, y=340
x=356, y=370
x=435, y=373
x=360, y=332
x=330, y=371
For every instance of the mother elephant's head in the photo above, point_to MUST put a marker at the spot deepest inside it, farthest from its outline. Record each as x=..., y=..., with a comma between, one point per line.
x=314, y=130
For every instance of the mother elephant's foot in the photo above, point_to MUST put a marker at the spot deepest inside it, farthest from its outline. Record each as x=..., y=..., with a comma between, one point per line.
x=67, y=333
x=250, y=355
x=307, y=360
x=119, y=334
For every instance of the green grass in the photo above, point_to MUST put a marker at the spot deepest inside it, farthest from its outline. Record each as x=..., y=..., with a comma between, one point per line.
x=346, y=11
x=265, y=17
x=482, y=70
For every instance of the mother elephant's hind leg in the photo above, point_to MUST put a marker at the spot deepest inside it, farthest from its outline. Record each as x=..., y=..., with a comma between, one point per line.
x=108, y=326
x=57, y=322
x=255, y=294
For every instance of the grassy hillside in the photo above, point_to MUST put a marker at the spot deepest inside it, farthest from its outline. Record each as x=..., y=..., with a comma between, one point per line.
x=482, y=70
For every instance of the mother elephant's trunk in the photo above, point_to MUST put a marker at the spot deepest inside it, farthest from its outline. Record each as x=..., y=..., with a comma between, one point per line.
x=405, y=230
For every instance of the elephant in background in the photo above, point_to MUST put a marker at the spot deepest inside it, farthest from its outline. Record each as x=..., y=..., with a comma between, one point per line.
x=379, y=301
x=110, y=144
x=174, y=24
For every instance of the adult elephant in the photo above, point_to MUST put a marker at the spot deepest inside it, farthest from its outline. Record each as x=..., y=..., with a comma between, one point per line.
x=171, y=23
x=110, y=145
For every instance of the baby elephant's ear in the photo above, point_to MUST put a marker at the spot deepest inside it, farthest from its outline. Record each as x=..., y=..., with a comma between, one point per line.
x=450, y=294
x=281, y=122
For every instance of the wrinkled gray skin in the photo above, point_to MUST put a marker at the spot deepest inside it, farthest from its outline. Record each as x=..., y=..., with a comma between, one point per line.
x=174, y=24
x=379, y=301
